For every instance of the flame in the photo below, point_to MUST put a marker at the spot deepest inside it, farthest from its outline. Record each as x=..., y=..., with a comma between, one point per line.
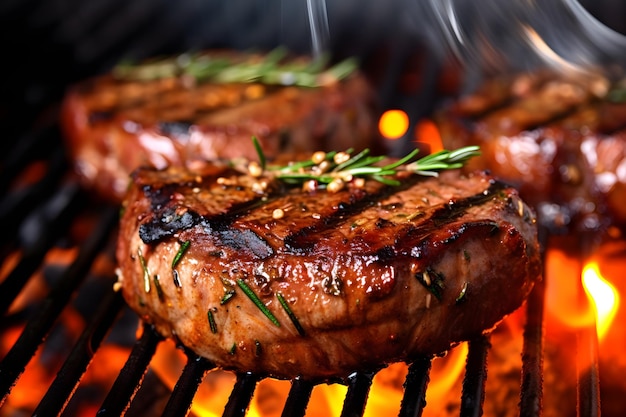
x=393, y=124
x=590, y=301
x=384, y=398
x=566, y=300
x=427, y=132
x=603, y=295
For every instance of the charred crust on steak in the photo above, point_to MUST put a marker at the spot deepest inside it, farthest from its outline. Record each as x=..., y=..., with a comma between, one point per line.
x=167, y=222
x=246, y=241
x=367, y=271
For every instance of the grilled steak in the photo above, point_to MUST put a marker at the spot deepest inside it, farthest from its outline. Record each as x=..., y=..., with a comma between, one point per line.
x=289, y=282
x=560, y=140
x=113, y=124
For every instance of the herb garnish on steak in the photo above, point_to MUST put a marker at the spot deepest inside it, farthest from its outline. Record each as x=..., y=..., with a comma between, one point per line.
x=354, y=279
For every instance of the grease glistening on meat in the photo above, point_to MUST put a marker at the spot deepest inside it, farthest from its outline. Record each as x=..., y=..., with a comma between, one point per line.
x=114, y=124
x=560, y=139
x=338, y=282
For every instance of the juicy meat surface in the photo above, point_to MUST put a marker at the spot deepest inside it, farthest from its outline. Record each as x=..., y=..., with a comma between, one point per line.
x=112, y=126
x=560, y=140
x=351, y=280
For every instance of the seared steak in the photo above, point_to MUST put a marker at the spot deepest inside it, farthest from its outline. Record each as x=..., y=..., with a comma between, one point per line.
x=317, y=284
x=113, y=125
x=560, y=140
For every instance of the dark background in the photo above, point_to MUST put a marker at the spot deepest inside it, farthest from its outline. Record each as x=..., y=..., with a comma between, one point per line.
x=48, y=44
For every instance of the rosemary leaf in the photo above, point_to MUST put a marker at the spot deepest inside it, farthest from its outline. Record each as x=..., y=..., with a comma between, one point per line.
x=227, y=297
x=157, y=285
x=289, y=312
x=257, y=301
x=462, y=293
x=212, y=323
x=259, y=151
x=146, y=273
x=181, y=251
x=402, y=161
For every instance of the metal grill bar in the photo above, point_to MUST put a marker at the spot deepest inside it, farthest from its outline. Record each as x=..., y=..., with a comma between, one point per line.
x=298, y=398
x=17, y=205
x=186, y=386
x=36, y=329
x=240, y=396
x=588, y=375
x=358, y=389
x=53, y=224
x=416, y=382
x=129, y=378
x=59, y=393
x=473, y=394
x=532, y=354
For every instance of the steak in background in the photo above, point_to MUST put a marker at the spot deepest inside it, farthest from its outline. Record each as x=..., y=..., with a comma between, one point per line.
x=113, y=125
x=561, y=140
x=368, y=275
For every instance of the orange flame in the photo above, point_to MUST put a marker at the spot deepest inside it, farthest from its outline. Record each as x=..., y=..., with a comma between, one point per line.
x=427, y=132
x=603, y=295
x=393, y=124
x=590, y=301
x=566, y=300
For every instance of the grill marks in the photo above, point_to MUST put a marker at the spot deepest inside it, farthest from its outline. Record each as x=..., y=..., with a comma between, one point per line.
x=167, y=101
x=529, y=103
x=238, y=218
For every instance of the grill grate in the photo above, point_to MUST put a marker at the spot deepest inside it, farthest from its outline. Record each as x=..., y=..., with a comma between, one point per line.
x=55, y=212
x=42, y=214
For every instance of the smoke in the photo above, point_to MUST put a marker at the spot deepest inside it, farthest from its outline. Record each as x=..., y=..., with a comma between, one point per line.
x=498, y=35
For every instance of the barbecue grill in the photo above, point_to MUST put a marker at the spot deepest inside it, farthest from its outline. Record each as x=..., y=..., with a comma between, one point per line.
x=43, y=211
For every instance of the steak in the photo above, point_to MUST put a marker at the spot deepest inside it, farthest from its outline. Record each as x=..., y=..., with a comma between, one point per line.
x=152, y=115
x=561, y=140
x=295, y=282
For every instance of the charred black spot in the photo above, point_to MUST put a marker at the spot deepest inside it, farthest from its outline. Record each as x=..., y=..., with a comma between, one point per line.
x=343, y=205
x=386, y=253
x=247, y=241
x=165, y=224
x=380, y=223
x=302, y=240
x=158, y=197
x=456, y=208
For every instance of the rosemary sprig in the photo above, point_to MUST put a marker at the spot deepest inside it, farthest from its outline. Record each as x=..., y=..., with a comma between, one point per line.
x=272, y=69
x=333, y=170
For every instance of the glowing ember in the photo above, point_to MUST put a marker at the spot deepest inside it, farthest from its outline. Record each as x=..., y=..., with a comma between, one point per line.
x=393, y=124
x=604, y=296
